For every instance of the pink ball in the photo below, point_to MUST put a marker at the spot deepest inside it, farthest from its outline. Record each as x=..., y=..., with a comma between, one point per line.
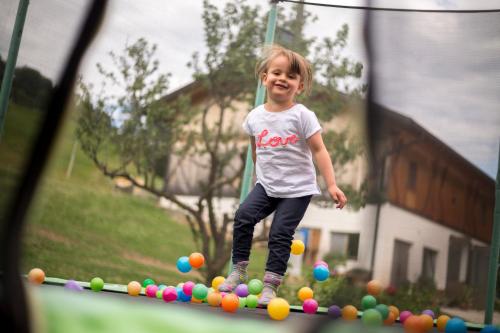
x=320, y=262
x=169, y=294
x=187, y=288
x=310, y=306
x=404, y=315
x=151, y=290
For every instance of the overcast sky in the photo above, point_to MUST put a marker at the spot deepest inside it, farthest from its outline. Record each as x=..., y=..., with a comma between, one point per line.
x=442, y=70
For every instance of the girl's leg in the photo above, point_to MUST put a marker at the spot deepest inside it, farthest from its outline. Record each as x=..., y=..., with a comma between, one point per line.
x=289, y=212
x=256, y=207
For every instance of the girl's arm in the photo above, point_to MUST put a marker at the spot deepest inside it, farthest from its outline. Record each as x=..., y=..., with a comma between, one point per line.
x=325, y=167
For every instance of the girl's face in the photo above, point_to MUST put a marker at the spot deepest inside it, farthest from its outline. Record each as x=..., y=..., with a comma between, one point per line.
x=282, y=86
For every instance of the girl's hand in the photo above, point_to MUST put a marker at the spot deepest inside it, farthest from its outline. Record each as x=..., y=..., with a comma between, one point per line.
x=338, y=196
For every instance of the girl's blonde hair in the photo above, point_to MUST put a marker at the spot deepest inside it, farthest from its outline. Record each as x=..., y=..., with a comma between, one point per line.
x=298, y=64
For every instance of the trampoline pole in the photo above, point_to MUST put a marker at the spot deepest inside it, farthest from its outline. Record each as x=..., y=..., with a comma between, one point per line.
x=10, y=65
x=259, y=99
x=494, y=248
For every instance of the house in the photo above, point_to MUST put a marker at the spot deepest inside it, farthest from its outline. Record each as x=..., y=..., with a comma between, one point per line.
x=434, y=220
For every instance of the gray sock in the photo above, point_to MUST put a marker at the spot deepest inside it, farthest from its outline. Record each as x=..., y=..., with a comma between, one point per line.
x=236, y=277
x=272, y=281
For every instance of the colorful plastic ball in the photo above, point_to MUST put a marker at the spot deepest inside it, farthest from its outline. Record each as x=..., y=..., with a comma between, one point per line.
x=413, y=324
x=134, y=288
x=243, y=302
x=297, y=247
x=321, y=273
x=217, y=281
x=162, y=286
x=374, y=287
x=252, y=301
x=159, y=293
x=241, y=290
x=169, y=294
x=36, y=276
x=349, y=312
x=96, y=284
x=372, y=318
x=394, y=310
x=196, y=260
x=230, y=303
x=200, y=291
x=214, y=299
x=187, y=288
x=310, y=306
x=383, y=309
x=441, y=322
x=368, y=302
x=73, y=285
x=196, y=300
x=490, y=329
x=305, y=293
x=255, y=286
x=391, y=319
x=404, y=315
x=391, y=290
x=278, y=308
x=320, y=263
x=429, y=312
x=183, y=264
x=334, y=312
x=455, y=325
x=151, y=290
x=427, y=322
x=147, y=282
x=181, y=296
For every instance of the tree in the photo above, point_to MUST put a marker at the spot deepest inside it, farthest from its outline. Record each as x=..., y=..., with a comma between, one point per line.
x=233, y=37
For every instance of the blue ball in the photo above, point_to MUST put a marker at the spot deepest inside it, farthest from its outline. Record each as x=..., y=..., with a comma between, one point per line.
x=181, y=296
x=183, y=264
x=455, y=325
x=321, y=273
x=490, y=329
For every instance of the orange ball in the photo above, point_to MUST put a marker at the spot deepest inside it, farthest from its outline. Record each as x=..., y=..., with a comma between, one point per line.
x=134, y=288
x=441, y=322
x=349, y=312
x=394, y=310
x=305, y=293
x=426, y=322
x=413, y=324
x=230, y=303
x=374, y=287
x=195, y=300
x=391, y=318
x=214, y=299
x=36, y=276
x=196, y=260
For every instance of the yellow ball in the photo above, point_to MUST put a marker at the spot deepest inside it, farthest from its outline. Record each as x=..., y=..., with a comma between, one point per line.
x=278, y=308
x=134, y=288
x=394, y=310
x=441, y=322
x=297, y=247
x=214, y=299
x=217, y=281
x=305, y=293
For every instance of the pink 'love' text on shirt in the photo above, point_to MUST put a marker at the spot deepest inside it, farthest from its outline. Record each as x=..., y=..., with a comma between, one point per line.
x=275, y=141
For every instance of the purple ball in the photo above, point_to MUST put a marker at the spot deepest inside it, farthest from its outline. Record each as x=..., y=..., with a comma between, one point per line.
x=310, y=306
x=241, y=290
x=334, y=311
x=429, y=312
x=404, y=315
x=73, y=285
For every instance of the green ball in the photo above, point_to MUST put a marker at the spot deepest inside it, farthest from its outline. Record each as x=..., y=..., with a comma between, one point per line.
x=147, y=282
x=200, y=291
x=243, y=302
x=255, y=286
x=383, y=309
x=159, y=294
x=252, y=301
x=368, y=302
x=96, y=284
x=372, y=317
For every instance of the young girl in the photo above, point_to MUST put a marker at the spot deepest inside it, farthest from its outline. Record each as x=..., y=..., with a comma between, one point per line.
x=285, y=136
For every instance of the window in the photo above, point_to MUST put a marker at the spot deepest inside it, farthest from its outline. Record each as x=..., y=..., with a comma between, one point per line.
x=344, y=244
x=429, y=264
x=411, y=182
x=401, y=254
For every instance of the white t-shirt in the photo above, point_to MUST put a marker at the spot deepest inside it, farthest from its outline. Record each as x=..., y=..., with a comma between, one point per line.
x=284, y=164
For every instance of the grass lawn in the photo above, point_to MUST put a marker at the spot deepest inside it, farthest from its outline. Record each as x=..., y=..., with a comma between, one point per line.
x=81, y=227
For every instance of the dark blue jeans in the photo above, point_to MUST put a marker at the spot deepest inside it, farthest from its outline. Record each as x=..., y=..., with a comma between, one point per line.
x=287, y=214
